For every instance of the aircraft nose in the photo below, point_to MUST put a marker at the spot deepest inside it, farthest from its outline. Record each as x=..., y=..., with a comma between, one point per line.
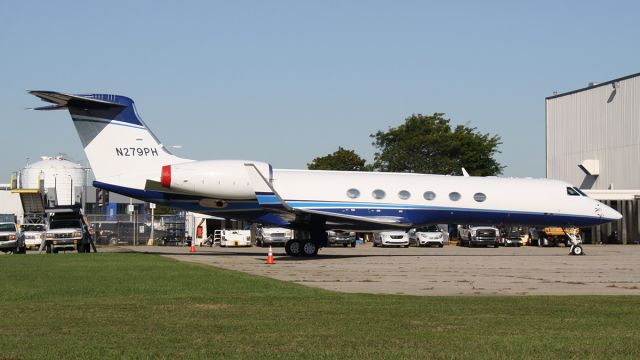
x=609, y=213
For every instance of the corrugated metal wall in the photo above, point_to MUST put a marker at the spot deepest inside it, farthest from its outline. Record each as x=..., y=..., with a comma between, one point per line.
x=602, y=122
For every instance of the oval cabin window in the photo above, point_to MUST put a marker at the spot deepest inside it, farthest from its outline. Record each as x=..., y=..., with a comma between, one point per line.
x=378, y=194
x=353, y=193
x=429, y=195
x=479, y=197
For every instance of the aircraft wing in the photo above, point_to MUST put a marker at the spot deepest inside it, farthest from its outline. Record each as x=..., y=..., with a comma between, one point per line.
x=269, y=199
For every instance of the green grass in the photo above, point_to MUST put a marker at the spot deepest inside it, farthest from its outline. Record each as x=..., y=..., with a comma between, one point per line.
x=113, y=305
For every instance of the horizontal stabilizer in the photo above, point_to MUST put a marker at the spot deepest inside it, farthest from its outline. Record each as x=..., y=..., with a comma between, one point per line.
x=63, y=101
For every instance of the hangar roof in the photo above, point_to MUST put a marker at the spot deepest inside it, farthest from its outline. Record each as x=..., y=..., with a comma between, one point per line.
x=593, y=87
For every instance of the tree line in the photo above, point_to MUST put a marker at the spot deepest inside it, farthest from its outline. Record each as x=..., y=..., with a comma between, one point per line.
x=422, y=144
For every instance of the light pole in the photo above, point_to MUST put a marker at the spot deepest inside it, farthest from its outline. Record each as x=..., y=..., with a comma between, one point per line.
x=152, y=206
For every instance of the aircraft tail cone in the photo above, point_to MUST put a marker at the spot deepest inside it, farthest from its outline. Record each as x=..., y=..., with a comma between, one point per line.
x=270, y=260
x=193, y=247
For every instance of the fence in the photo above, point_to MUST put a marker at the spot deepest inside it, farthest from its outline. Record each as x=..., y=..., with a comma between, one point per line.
x=136, y=230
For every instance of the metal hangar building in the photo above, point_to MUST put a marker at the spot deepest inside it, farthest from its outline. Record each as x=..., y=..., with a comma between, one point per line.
x=593, y=140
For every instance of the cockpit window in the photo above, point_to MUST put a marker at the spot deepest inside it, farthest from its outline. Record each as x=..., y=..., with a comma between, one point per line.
x=572, y=192
x=580, y=192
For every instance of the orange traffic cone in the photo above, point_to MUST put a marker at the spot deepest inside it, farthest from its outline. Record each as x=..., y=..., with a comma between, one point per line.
x=193, y=247
x=270, y=260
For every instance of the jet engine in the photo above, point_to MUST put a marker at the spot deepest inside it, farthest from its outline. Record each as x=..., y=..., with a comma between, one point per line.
x=217, y=179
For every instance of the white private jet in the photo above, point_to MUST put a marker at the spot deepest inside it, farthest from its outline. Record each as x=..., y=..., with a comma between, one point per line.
x=128, y=159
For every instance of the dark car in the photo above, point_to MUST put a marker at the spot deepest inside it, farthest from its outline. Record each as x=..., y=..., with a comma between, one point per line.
x=119, y=232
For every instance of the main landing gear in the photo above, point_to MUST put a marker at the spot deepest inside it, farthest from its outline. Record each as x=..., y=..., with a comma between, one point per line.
x=308, y=244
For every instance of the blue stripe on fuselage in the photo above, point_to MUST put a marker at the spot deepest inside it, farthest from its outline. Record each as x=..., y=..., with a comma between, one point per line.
x=410, y=214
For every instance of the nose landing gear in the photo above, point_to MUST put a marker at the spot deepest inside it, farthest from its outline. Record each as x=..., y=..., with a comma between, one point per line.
x=576, y=243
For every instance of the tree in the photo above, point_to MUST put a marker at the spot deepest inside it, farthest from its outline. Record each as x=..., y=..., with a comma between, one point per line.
x=427, y=144
x=341, y=159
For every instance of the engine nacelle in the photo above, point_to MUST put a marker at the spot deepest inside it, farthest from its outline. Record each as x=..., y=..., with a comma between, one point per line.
x=215, y=179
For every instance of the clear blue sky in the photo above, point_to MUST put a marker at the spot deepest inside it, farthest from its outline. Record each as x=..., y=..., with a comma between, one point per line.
x=286, y=81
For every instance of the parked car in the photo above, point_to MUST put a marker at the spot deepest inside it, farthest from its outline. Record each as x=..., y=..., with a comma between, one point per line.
x=430, y=235
x=120, y=232
x=339, y=237
x=266, y=236
x=10, y=238
x=33, y=235
x=473, y=235
x=513, y=236
x=391, y=238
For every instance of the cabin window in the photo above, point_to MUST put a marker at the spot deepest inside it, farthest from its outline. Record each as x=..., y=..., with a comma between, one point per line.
x=404, y=194
x=454, y=196
x=353, y=193
x=572, y=192
x=378, y=194
x=580, y=192
x=429, y=195
x=479, y=197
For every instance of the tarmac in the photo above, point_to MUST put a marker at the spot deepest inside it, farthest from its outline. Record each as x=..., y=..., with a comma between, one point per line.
x=451, y=270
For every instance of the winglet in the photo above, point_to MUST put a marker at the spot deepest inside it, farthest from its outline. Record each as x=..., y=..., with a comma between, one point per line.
x=265, y=193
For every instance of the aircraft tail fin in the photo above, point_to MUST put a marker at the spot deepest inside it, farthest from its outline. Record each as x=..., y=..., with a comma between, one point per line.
x=120, y=148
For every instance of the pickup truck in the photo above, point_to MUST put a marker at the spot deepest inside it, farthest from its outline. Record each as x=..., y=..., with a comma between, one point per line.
x=266, y=236
x=10, y=239
x=344, y=238
x=473, y=235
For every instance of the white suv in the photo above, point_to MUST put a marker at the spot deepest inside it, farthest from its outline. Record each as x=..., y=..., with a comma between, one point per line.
x=427, y=236
x=33, y=235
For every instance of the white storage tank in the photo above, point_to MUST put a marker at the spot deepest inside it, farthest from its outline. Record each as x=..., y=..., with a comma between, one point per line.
x=66, y=177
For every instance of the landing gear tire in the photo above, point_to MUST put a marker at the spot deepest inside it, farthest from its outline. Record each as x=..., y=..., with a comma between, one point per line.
x=576, y=250
x=309, y=248
x=293, y=248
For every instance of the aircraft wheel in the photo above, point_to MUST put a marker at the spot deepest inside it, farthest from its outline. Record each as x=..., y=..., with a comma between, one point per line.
x=576, y=250
x=293, y=248
x=309, y=248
